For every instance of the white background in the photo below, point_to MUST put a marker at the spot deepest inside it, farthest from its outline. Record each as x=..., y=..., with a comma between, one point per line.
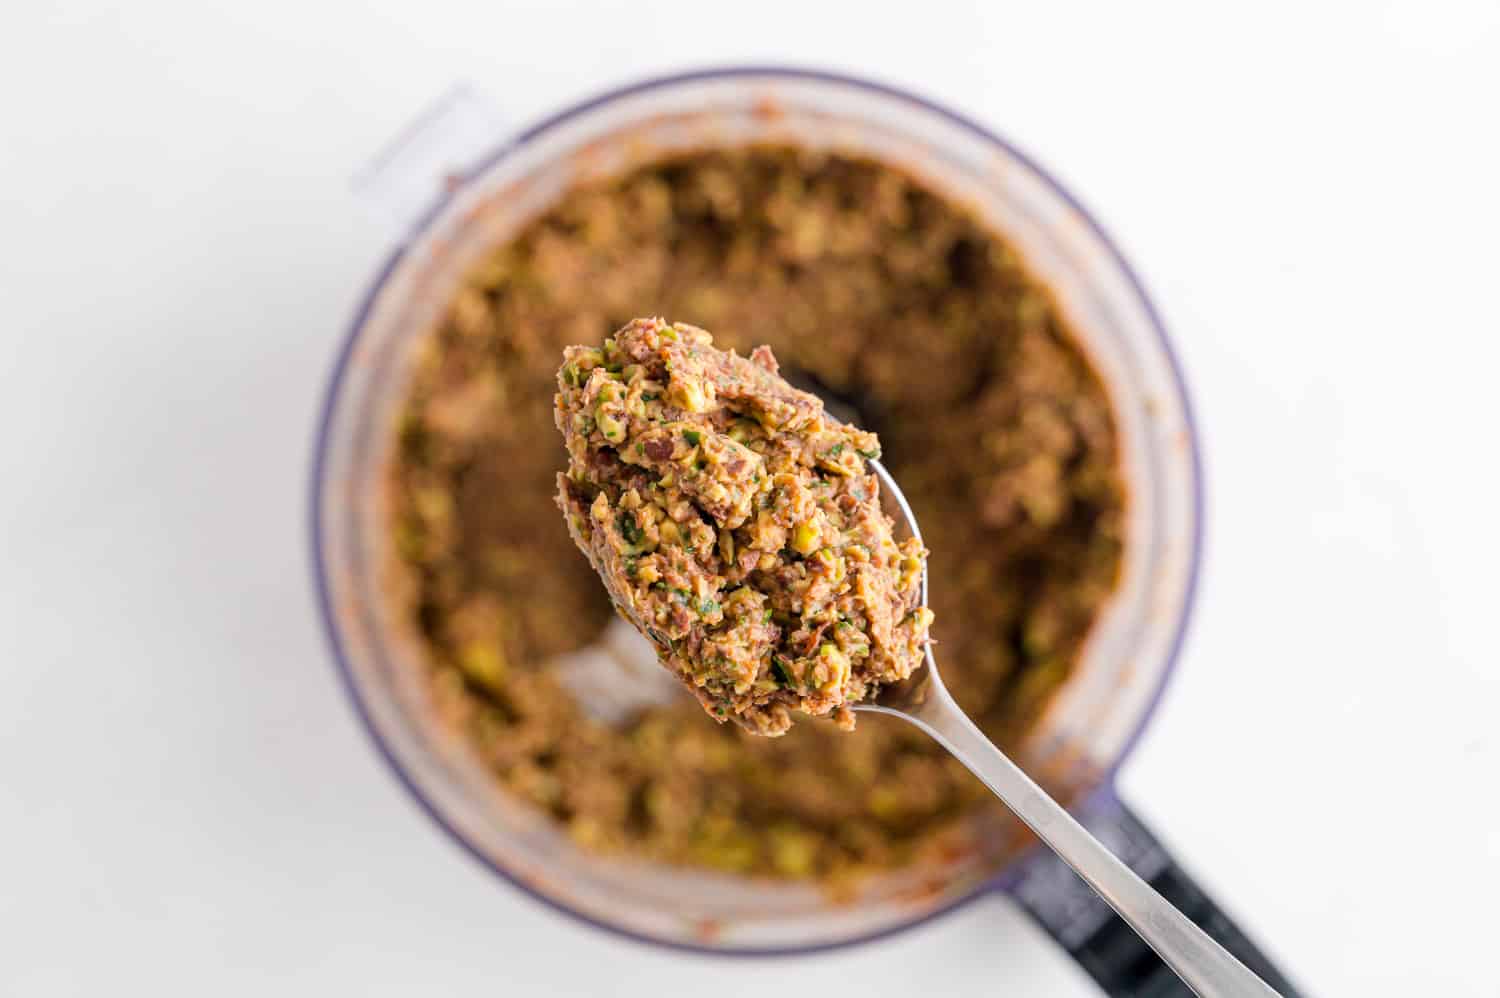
x=186, y=802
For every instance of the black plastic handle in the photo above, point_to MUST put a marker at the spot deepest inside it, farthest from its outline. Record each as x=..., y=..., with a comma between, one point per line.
x=1100, y=941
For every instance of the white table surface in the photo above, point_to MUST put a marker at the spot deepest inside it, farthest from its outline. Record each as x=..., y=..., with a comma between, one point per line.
x=186, y=802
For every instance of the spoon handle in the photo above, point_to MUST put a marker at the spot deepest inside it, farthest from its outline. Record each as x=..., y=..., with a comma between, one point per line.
x=1205, y=966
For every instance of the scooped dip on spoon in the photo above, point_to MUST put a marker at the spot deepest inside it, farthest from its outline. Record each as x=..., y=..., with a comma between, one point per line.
x=736, y=525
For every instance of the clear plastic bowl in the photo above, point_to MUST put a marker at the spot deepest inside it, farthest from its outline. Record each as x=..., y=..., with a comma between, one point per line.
x=1088, y=729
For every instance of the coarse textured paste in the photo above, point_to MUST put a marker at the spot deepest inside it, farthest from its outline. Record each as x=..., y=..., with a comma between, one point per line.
x=737, y=526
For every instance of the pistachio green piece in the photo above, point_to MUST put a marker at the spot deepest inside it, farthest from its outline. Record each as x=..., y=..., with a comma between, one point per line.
x=689, y=394
x=837, y=664
x=611, y=428
x=804, y=538
x=482, y=662
x=911, y=573
x=793, y=852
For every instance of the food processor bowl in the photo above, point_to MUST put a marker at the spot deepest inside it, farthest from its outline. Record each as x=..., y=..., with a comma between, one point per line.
x=1086, y=731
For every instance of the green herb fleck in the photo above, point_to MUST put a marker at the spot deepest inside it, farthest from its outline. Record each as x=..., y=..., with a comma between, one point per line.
x=779, y=673
x=707, y=607
x=648, y=396
x=836, y=449
x=630, y=530
x=693, y=437
x=870, y=455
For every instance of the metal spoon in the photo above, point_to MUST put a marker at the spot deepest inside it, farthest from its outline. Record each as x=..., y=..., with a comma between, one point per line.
x=1202, y=963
